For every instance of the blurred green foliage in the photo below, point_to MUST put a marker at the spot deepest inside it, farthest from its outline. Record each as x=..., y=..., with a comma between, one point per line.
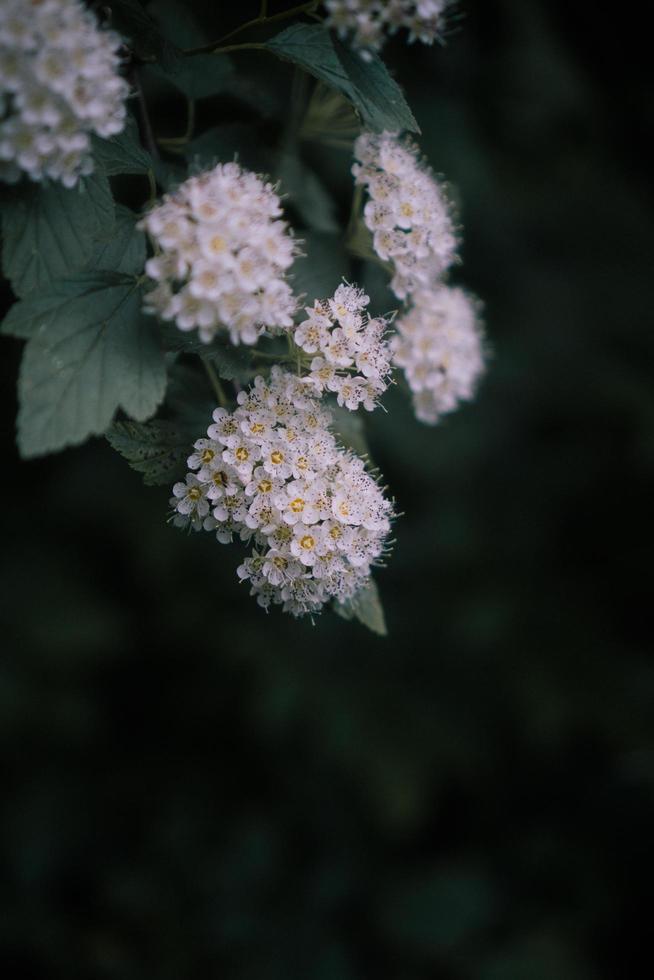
x=193, y=788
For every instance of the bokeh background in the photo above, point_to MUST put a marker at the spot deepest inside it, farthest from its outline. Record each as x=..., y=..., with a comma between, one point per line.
x=193, y=788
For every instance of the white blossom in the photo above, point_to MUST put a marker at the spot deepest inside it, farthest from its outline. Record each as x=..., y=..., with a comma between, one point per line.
x=368, y=22
x=439, y=345
x=407, y=211
x=353, y=357
x=272, y=474
x=221, y=256
x=59, y=83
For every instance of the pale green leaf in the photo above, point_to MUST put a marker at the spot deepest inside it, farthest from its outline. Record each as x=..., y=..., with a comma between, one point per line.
x=349, y=429
x=123, y=153
x=124, y=250
x=376, y=95
x=366, y=607
x=157, y=449
x=92, y=353
x=367, y=84
x=48, y=232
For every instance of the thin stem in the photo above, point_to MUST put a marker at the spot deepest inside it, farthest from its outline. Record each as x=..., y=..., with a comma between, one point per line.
x=238, y=47
x=152, y=180
x=263, y=18
x=219, y=391
x=148, y=135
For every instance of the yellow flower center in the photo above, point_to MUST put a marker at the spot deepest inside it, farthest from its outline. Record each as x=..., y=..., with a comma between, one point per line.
x=195, y=493
x=407, y=210
x=208, y=278
x=217, y=244
x=335, y=533
x=307, y=542
x=257, y=428
x=207, y=455
x=276, y=457
x=302, y=463
x=219, y=478
x=343, y=509
x=279, y=561
x=242, y=454
x=265, y=486
x=297, y=505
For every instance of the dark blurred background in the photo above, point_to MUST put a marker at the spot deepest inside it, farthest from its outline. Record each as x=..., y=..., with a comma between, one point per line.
x=193, y=788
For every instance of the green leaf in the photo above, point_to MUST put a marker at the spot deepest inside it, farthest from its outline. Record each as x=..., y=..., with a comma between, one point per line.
x=349, y=429
x=157, y=449
x=222, y=144
x=377, y=96
x=122, y=154
x=233, y=363
x=321, y=268
x=306, y=193
x=367, y=84
x=91, y=352
x=124, y=251
x=142, y=34
x=366, y=607
x=199, y=76
x=48, y=232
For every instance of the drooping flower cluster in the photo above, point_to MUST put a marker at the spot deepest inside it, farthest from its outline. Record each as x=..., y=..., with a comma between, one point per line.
x=272, y=473
x=222, y=256
x=59, y=82
x=368, y=22
x=408, y=213
x=439, y=345
x=352, y=355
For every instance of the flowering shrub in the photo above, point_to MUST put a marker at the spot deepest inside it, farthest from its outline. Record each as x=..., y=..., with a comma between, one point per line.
x=201, y=311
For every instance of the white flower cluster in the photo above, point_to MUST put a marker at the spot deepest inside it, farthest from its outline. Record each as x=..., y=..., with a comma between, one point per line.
x=272, y=473
x=353, y=358
x=367, y=21
x=59, y=82
x=439, y=345
x=408, y=213
x=222, y=256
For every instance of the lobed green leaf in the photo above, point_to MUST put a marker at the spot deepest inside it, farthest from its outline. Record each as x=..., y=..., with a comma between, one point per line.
x=157, y=449
x=90, y=352
x=48, y=232
x=123, y=153
x=123, y=251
